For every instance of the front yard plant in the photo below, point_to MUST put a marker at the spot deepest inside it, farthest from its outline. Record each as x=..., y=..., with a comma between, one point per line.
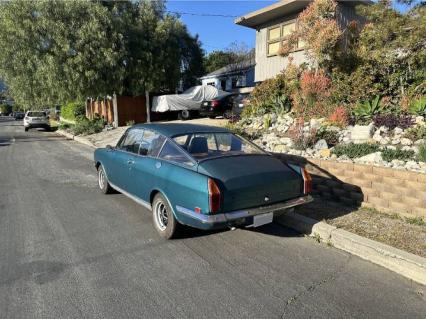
x=84, y=126
x=422, y=152
x=397, y=154
x=353, y=150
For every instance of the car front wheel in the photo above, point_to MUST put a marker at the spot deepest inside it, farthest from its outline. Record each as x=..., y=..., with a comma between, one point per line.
x=164, y=221
x=103, y=181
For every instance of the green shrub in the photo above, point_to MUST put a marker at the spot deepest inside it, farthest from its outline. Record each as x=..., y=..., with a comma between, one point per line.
x=72, y=110
x=422, y=152
x=85, y=126
x=415, y=133
x=331, y=137
x=236, y=128
x=355, y=150
x=130, y=123
x=398, y=154
x=64, y=126
x=418, y=106
x=367, y=109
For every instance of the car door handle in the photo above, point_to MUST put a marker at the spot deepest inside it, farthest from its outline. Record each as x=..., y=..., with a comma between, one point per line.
x=130, y=162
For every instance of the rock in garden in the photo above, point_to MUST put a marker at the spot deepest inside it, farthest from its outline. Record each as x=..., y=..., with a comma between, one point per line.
x=321, y=145
x=395, y=141
x=406, y=141
x=371, y=158
x=419, y=142
x=412, y=165
x=326, y=153
x=398, y=131
x=280, y=148
x=361, y=133
x=420, y=119
x=398, y=163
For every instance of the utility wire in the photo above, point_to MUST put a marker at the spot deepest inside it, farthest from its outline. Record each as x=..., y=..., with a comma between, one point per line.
x=203, y=14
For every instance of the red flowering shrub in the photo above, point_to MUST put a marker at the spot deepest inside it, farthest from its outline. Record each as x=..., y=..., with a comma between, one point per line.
x=312, y=100
x=339, y=117
x=319, y=29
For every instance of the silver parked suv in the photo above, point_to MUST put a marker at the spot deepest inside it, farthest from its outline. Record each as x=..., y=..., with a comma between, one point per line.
x=36, y=119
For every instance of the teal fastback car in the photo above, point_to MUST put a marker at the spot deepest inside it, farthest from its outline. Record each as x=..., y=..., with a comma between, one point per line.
x=200, y=176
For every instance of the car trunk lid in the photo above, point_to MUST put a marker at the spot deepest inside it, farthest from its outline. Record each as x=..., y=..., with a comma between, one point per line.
x=252, y=180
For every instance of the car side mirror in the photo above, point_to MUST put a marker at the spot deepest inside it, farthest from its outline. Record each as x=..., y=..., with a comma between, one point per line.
x=109, y=147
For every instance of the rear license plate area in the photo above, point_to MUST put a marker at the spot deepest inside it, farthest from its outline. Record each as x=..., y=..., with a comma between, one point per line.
x=263, y=219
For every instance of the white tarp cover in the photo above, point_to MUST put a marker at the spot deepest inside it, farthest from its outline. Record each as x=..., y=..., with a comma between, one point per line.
x=189, y=100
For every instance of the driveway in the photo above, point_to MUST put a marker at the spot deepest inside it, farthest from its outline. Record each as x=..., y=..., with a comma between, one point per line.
x=68, y=251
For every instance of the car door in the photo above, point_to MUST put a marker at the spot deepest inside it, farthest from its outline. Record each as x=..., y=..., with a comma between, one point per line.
x=143, y=172
x=124, y=158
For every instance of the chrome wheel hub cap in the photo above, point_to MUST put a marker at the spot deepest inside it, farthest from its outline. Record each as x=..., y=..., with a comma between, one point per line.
x=101, y=178
x=161, y=216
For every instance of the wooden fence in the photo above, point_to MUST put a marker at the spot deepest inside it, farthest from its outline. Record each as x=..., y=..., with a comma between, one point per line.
x=118, y=110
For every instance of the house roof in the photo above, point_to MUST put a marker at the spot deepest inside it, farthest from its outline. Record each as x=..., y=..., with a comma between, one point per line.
x=280, y=9
x=231, y=68
x=175, y=129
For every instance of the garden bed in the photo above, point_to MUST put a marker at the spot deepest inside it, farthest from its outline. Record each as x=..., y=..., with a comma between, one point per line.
x=397, y=147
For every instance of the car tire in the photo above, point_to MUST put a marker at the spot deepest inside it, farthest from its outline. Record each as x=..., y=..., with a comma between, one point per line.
x=227, y=115
x=166, y=225
x=212, y=117
x=103, y=183
x=26, y=129
x=48, y=128
x=184, y=115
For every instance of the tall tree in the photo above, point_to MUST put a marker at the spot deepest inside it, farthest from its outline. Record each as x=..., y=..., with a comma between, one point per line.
x=54, y=51
x=236, y=54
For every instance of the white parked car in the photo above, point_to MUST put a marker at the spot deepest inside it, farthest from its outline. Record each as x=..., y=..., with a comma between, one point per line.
x=36, y=119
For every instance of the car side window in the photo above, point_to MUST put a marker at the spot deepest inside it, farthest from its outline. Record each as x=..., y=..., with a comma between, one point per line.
x=131, y=141
x=172, y=153
x=151, y=143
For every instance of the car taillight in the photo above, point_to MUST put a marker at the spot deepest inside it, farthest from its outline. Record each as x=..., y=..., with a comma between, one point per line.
x=215, y=103
x=214, y=196
x=307, y=182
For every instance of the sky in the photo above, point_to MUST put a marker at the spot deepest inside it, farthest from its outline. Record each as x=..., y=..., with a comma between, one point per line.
x=217, y=33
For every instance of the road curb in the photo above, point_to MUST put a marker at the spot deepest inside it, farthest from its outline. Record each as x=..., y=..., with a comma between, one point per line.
x=79, y=139
x=406, y=264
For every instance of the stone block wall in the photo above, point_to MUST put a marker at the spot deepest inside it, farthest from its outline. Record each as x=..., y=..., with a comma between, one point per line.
x=386, y=189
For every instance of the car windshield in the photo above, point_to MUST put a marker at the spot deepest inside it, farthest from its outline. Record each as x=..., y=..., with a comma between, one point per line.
x=208, y=145
x=36, y=114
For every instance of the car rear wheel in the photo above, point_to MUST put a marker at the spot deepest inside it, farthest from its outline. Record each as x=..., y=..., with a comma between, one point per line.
x=103, y=181
x=26, y=129
x=164, y=221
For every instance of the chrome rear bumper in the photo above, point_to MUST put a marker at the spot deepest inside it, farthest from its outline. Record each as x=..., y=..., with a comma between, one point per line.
x=235, y=215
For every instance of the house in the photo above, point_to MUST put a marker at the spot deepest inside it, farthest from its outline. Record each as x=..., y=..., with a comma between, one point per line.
x=275, y=23
x=236, y=77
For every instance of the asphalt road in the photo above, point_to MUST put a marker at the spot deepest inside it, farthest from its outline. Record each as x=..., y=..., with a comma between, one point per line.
x=68, y=251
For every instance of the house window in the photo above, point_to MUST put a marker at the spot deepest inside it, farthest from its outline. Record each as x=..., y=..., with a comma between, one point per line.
x=223, y=85
x=279, y=34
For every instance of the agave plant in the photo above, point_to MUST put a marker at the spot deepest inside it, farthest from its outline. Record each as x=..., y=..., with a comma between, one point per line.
x=367, y=109
x=282, y=104
x=418, y=106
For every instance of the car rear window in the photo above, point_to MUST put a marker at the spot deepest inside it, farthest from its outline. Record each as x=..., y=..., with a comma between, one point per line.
x=36, y=114
x=209, y=145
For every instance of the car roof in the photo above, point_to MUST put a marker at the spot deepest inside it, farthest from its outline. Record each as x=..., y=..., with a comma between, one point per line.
x=174, y=129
